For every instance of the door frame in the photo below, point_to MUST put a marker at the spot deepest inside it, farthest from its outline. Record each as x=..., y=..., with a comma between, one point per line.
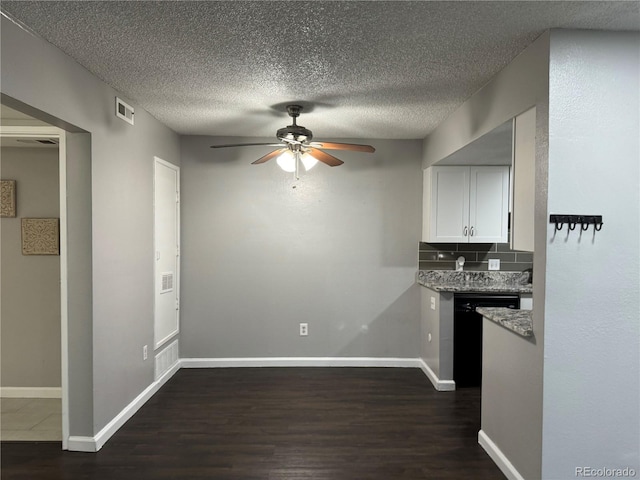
x=60, y=135
x=159, y=342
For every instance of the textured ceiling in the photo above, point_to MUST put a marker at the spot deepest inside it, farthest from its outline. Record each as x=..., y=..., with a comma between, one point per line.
x=365, y=69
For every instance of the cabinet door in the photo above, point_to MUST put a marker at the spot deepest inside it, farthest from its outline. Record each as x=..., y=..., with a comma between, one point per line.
x=488, y=204
x=446, y=204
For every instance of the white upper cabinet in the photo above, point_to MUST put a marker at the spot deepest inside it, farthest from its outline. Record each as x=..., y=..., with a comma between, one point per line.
x=489, y=205
x=466, y=204
x=446, y=204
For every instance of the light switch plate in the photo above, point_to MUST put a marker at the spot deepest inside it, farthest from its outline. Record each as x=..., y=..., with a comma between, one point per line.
x=433, y=303
x=494, y=264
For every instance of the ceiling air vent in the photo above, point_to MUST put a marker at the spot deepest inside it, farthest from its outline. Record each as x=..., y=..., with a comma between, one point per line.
x=41, y=141
x=124, y=111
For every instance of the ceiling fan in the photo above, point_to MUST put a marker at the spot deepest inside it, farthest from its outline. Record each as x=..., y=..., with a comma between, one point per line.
x=296, y=146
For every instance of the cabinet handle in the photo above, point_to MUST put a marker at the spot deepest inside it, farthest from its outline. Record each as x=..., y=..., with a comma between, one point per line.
x=465, y=231
x=471, y=232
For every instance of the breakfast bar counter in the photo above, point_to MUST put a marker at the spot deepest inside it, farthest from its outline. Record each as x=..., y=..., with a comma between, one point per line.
x=518, y=321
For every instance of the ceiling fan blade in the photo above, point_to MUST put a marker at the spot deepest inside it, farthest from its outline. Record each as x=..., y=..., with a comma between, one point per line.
x=269, y=156
x=343, y=146
x=247, y=145
x=324, y=157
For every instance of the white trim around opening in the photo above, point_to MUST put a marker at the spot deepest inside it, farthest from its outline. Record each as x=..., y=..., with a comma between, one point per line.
x=60, y=135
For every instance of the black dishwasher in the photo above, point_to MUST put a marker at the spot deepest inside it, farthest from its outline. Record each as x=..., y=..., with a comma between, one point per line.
x=467, y=334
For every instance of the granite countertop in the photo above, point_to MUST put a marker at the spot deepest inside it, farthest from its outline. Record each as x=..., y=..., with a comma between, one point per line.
x=492, y=282
x=518, y=321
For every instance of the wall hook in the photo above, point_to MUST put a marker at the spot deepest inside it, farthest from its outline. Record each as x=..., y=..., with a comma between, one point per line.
x=573, y=220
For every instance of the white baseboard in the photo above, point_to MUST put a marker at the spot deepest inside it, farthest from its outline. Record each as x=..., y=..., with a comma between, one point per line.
x=300, y=362
x=93, y=444
x=498, y=457
x=392, y=362
x=114, y=425
x=31, y=392
x=81, y=444
x=440, y=385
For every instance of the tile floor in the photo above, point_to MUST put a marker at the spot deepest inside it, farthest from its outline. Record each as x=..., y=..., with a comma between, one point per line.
x=31, y=419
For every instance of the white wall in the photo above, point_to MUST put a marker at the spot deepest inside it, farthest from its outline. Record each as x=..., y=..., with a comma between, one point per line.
x=592, y=302
x=41, y=76
x=30, y=316
x=339, y=252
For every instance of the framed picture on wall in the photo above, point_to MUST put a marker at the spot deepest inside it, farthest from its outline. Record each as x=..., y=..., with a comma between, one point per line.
x=8, y=198
x=41, y=236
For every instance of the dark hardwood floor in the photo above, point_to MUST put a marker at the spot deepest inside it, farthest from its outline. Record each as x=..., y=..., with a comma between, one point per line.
x=281, y=424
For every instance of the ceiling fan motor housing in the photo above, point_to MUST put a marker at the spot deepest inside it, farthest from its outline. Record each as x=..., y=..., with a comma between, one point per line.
x=296, y=133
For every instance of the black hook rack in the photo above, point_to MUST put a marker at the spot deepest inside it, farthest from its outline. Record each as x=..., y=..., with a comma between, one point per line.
x=573, y=220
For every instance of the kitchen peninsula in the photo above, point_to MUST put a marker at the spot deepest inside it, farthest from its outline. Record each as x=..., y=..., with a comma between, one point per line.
x=437, y=313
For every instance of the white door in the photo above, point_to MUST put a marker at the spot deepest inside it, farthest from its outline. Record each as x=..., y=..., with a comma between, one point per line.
x=449, y=204
x=488, y=204
x=167, y=251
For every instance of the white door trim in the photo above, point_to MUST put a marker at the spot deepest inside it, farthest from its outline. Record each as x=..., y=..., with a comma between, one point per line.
x=60, y=135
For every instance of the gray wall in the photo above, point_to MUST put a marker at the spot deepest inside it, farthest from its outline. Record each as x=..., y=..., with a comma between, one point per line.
x=30, y=316
x=430, y=324
x=39, y=75
x=511, y=379
x=79, y=297
x=338, y=252
x=437, y=353
x=592, y=302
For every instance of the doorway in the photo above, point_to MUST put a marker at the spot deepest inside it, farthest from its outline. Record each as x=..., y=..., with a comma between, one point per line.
x=34, y=346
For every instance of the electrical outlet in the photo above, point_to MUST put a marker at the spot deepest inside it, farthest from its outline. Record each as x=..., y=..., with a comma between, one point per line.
x=429, y=337
x=144, y=353
x=304, y=329
x=494, y=264
x=433, y=303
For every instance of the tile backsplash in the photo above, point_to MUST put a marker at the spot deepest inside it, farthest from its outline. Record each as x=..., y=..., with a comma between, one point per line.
x=442, y=256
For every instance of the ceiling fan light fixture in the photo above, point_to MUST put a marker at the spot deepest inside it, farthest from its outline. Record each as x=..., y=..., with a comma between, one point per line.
x=287, y=161
x=296, y=147
x=308, y=160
